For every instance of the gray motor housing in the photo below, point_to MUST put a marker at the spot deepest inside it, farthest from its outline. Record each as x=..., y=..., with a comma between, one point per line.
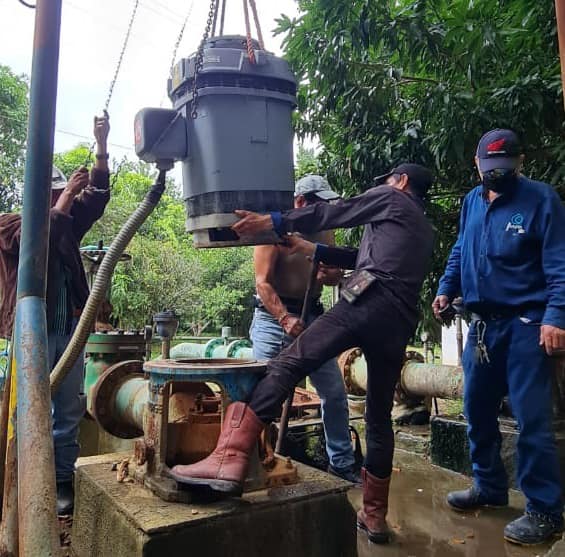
x=238, y=151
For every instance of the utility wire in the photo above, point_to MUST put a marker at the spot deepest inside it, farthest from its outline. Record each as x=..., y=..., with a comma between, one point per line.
x=27, y=4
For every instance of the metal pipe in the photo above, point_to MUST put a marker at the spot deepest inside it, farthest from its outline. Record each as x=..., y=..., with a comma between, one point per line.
x=9, y=524
x=421, y=380
x=166, y=348
x=416, y=379
x=560, y=17
x=214, y=348
x=4, y=417
x=38, y=529
x=131, y=400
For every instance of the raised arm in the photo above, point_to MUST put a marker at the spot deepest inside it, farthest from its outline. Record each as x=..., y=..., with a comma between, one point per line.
x=89, y=206
x=371, y=206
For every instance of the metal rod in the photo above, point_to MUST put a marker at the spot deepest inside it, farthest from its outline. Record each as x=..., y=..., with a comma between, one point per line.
x=9, y=525
x=38, y=528
x=4, y=417
x=560, y=16
x=285, y=414
x=459, y=337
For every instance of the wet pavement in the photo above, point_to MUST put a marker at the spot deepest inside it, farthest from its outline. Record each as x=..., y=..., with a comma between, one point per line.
x=424, y=526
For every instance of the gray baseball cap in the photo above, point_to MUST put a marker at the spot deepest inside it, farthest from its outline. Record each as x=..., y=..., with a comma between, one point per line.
x=58, y=179
x=318, y=185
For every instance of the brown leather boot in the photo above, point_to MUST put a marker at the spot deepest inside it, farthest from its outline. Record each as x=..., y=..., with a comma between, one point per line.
x=372, y=517
x=225, y=468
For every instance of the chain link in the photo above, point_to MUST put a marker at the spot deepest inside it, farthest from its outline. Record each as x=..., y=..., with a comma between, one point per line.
x=122, y=53
x=199, y=60
x=179, y=38
x=116, y=73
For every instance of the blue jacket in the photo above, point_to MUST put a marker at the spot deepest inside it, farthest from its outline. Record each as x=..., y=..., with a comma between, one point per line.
x=510, y=252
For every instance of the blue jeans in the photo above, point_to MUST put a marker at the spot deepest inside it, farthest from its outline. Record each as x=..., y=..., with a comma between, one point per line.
x=268, y=340
x=69, y=406
x=520, y=368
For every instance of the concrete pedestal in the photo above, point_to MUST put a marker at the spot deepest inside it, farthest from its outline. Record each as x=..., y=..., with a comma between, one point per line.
x=313, y=518
x=449, y=446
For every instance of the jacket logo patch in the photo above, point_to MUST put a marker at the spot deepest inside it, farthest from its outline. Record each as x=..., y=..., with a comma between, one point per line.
x=515, y=223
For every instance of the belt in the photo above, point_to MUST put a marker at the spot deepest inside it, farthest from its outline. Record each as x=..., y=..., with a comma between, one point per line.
x=293, y=306
x=503, y=312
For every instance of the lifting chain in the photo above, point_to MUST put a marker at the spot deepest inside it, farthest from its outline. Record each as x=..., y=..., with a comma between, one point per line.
x=116, y=73
x=199, y=59
x=179, y=38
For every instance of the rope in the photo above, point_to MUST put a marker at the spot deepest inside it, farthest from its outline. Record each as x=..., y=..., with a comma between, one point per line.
x=222, y=17
x=250, y=51
x=257, y=24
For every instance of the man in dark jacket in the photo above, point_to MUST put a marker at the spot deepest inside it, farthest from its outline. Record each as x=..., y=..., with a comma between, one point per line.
x=379, y=315
x=509, y=265
x=75, y=206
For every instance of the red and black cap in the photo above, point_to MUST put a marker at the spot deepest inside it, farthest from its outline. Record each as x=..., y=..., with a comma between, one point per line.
x=420, y=178
x=499, y=149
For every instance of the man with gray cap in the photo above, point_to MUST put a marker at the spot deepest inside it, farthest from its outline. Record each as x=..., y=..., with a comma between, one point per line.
x=509, y=265
x=75, y=206
x=281, y=280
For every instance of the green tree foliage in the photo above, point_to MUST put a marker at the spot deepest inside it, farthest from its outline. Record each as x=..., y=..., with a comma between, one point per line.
x=386, y=81
x=13, y=127
x=307, y=162
x=207, y=288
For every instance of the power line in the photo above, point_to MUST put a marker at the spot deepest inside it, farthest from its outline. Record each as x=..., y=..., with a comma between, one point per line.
x=80, y=136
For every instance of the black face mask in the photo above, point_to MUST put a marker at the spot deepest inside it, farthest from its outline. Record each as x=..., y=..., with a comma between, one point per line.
x=499, y=180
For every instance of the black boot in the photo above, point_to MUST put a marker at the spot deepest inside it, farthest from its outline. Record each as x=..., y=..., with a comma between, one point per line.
x=533, y=528
x=349, y=474
x=65, y=498
x=471, y=499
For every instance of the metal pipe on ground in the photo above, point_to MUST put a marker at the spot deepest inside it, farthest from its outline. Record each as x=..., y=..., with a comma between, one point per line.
x=416, y=379
x=37, y=518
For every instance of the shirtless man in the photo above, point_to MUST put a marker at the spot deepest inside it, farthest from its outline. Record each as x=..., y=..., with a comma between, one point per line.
x=281, y=282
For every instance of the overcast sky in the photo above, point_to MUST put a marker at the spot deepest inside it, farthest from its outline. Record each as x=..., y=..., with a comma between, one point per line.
x=91, y=38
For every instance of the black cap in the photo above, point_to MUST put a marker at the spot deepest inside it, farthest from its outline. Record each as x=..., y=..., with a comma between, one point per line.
x=499, y=149
x=420, y=178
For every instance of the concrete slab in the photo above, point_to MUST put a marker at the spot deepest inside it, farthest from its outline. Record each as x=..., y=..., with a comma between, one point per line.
x=449, y=447
x=312, y=519
x=424, y=526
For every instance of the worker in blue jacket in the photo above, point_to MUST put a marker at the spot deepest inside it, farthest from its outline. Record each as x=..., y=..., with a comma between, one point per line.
x=509, y=265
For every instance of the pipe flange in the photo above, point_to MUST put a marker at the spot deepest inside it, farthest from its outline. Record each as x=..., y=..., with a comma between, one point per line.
x=401, y=395
x=211, y=345
x=234, y=346
x=103, y=396
x=345, y=362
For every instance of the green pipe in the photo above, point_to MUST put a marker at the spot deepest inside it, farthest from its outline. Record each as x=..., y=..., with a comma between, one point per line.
x=214, y=348
x=131, y=400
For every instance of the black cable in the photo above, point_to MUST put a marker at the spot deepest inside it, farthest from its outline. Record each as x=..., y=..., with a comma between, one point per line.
x=27, y=4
